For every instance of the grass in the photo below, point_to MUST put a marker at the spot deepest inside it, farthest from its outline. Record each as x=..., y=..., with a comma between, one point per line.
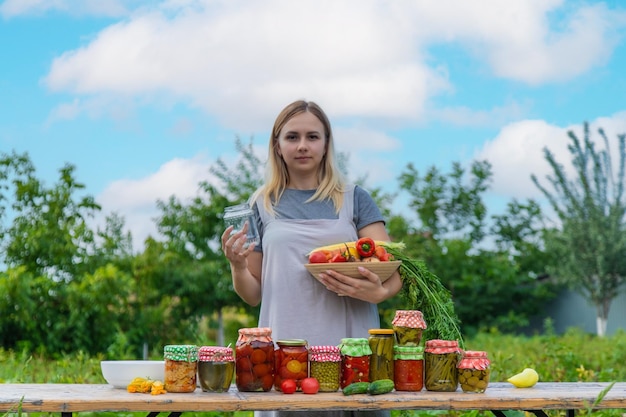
x=574, y=356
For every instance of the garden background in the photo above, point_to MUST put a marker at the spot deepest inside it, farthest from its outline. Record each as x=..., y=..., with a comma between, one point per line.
x=72, y=295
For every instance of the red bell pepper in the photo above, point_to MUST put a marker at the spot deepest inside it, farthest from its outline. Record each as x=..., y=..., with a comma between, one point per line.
x=365, y=246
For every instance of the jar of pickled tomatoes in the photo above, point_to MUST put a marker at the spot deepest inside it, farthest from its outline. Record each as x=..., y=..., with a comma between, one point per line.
x=292, y=362
x=181, y=367
x=355, y=360
x=254, y=366
x=325, y=365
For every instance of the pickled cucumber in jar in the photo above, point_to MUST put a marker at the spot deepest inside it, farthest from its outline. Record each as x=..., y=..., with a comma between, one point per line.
x=381, y=343
x=408, y=326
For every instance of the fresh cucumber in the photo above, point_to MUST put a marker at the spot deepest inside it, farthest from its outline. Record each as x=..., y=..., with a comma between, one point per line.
x=356, y=388
x=381, y=386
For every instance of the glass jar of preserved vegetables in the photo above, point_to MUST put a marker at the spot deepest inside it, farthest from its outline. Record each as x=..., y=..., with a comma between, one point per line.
x=254, y=366
x=440, y=360
x=216, y=367
x=381, y=343
x=181, y=367
x=408, y=325
x=474, y=371
x=355, y=360
x=408, y=368
x=325, y=365
x=292, y=362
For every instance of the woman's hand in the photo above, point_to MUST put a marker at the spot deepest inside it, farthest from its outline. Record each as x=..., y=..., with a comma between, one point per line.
x=369, y=288
x=234, y=247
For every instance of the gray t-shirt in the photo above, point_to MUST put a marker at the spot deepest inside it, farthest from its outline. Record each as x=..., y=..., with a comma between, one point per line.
x=293, y=206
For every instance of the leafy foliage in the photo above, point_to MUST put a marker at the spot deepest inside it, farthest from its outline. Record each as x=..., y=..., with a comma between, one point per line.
x=591, y=239
x=489, y=288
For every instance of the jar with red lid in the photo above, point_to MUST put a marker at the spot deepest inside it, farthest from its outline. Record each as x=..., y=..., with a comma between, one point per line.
x=216, y=367
x=381, y=343
x=325, y=366
x=355, y=360
x=409, y=326
x=254, y=365
x=474, y=371
x=292, y=362
x=181, y=368
x=441, y=358
x=408, y=368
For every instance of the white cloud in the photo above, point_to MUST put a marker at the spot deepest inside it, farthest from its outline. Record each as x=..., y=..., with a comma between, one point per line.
x=466, y=116
x=135, y=199
x=242, y=61
x=518, y=151
x=369, y=151
x=544, y=55
x=237, y=61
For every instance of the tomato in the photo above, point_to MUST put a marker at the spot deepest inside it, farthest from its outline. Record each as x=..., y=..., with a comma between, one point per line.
x=318, y=257
x=267, y=382
x=310, y=385
x=288, y=386
x=244, y=364
x=294, y=366
x=261, y=369
x=258, y=356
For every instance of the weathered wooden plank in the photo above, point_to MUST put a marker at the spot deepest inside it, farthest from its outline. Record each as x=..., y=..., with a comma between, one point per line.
x=71, y=398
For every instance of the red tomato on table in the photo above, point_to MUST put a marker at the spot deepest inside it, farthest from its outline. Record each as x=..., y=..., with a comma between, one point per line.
x=288, y=386
x=310, y=385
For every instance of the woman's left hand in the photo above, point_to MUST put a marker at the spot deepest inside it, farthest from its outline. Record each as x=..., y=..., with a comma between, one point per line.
x=369, y=288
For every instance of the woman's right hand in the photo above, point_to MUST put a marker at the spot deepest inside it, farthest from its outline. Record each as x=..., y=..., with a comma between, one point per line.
x=233, y=246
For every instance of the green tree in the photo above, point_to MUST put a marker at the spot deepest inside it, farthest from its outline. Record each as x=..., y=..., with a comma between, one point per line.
x=193, y=233
x=65, y=289
x=489, y=287
x=590, y=240
x=49, y=233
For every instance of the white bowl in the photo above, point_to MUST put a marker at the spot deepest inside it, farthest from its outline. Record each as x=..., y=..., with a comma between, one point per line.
x=121, y=373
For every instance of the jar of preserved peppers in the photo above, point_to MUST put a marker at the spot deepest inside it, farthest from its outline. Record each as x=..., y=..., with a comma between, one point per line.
x=325, y=365
x=474, y=371
x=355, y=360
x=408, y=371
x=441, y=358
x=216, y=367
x=381, y=343
x=292, y=362
x=254, y=366
x=181, y=368
x=408, y=325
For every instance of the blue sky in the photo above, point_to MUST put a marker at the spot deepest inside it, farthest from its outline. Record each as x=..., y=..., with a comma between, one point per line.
x=143, y=96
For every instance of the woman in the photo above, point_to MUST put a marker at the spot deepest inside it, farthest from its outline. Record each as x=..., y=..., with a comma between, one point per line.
x=305, y=203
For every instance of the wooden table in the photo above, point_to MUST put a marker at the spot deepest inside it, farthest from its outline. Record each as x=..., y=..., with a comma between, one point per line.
x=75, y=398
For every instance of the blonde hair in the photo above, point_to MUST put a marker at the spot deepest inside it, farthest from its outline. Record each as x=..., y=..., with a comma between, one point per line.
x=331, y=182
